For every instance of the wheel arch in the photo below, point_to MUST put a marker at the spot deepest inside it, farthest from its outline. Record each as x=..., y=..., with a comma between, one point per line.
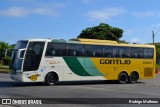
x=57, y=76
x=123, y=72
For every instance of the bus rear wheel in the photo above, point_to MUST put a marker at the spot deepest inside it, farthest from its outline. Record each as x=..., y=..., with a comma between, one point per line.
x=123, y=78
x=51, y=79
x=133, y=77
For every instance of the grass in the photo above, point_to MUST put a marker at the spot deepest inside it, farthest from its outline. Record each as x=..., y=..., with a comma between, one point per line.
x=4, y=69
x=158, y=65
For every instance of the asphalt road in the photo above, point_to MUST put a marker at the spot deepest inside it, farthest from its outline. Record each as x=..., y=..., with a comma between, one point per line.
x=149, y=88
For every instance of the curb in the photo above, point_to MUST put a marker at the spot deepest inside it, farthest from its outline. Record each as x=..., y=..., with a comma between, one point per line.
x=4, y=72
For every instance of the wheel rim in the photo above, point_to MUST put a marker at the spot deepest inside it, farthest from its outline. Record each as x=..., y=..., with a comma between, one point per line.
x=123, y=78
x=51, y=79
x=133, y=77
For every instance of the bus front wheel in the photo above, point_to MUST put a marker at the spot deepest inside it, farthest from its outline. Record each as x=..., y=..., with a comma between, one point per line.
x=51, y=79
x=133, y=77
x=123, y=78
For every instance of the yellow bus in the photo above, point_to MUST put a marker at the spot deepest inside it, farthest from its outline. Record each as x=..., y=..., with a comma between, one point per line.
x=53, y=60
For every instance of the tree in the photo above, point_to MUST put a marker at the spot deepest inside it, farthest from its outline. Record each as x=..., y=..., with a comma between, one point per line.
x=123, y=41
x=5, y=60
x=158, y=53
x=3, y=47
x=103, y=32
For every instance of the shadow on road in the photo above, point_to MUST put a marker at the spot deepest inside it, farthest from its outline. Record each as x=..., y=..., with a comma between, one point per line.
x=16, y=84
x=66, y=83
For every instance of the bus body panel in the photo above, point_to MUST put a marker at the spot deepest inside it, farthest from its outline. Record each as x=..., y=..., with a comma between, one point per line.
x=72, y=68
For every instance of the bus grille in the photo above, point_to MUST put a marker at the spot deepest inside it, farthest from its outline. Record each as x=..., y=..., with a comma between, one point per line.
x=148, y=72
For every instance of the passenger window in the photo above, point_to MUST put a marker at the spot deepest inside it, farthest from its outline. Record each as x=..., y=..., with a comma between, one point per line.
x=148, y=53
x=124, y=52
x=137, y=52
x=75, y=50
x=110, y=51
x=93, y=51
x=56, y=49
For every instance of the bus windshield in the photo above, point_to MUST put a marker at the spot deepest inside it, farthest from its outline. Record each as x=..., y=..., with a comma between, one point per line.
x=20, y=45
x=16, y=63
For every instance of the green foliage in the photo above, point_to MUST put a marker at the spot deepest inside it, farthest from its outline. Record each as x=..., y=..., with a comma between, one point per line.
x=9, y=52
x=3, y=47
x=157, y=45
x=7, y=60
x=4, y=69
x=103, y=32
x=123, y=41
x=12, y=46
x=157, y=50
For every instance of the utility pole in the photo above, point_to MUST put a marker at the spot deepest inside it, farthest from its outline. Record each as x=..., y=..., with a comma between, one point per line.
x=153, y=35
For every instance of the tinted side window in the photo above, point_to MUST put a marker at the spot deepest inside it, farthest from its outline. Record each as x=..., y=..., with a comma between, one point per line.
x=124, y=52
x=56, y=49
x=75, y=50
x=137, y=52
x=110, y=51
x=94, y=51
x=148, y=53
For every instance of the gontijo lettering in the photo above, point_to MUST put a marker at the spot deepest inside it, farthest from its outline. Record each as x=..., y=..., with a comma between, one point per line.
x=115, y=61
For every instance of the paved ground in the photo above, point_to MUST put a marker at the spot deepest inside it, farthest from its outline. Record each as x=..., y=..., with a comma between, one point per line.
x=89, y=89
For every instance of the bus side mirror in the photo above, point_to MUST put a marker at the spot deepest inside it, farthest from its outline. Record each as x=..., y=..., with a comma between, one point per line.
x=21, y=53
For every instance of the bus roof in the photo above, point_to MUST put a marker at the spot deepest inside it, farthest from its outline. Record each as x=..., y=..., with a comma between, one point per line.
x=93, y=42
x=83, y=41
x=99, y=42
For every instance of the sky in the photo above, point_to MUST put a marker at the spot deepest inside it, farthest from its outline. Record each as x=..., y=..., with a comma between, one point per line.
x=65, y=19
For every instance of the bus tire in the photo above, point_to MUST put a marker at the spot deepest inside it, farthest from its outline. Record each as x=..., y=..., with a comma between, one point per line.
x=123, y=78
x=133, y=77
x=51, y=79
